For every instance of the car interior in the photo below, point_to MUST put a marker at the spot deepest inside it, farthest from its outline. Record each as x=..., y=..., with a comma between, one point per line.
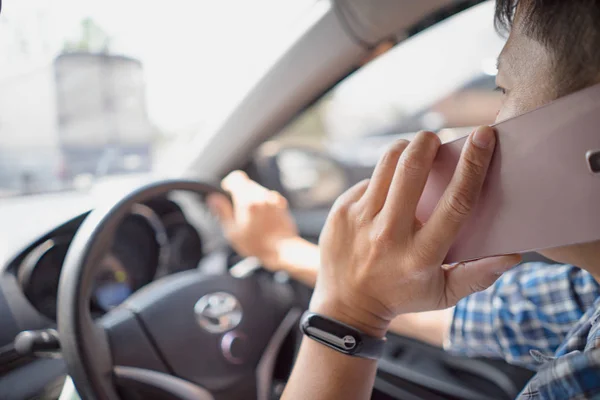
x=109, y=294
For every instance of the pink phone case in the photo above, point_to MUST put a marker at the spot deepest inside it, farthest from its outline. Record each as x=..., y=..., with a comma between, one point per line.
x=540, y=191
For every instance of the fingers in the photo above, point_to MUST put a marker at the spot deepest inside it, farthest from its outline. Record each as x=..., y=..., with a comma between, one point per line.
x=462, y=193
x=474, y=276
x=381, y=179
x=350, y=197
x=245, y=194
x=400, y=176
x=235, y=180
x=276, y=199
x=243, y=189
x=221, y=206
x=410, y=177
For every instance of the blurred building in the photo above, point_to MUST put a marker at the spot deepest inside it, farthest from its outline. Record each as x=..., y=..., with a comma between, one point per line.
x=103, y=125
x=83, y=114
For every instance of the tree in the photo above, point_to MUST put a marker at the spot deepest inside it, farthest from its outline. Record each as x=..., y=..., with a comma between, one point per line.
x=92, y=39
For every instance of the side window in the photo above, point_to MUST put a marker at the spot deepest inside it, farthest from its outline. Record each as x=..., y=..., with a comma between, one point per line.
x=441, y=79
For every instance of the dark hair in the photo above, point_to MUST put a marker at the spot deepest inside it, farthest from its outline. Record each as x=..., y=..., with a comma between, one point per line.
x=569, y=29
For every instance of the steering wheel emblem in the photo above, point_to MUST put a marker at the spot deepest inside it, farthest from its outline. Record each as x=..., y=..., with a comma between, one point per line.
x=218, y=312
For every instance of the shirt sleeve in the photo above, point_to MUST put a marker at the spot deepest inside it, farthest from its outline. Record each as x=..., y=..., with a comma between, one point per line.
x=571, y=377
x=531, y=307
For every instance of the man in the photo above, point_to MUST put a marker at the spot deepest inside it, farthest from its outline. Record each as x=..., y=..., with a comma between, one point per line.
x=378, y=264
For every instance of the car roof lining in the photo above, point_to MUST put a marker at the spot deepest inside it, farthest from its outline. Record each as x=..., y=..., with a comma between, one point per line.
x=372, y=21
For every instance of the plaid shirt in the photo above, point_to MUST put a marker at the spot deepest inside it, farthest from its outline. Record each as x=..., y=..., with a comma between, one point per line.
x=546, y=318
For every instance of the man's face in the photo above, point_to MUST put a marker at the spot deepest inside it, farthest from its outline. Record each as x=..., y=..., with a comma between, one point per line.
x=525, y=75
x=528, y=80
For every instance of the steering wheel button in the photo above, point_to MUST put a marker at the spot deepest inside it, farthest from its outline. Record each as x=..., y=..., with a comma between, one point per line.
x=234, y=347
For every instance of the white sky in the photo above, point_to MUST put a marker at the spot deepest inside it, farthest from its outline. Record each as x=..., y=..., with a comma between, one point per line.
x=196, y=53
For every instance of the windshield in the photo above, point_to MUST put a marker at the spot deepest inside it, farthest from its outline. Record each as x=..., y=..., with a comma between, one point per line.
x=95, y=90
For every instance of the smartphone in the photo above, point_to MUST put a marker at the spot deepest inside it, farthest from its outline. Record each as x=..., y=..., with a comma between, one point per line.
x=543, y=185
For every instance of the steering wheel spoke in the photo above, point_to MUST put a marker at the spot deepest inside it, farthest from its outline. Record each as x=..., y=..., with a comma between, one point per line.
x=129, y=343
x=158, y=385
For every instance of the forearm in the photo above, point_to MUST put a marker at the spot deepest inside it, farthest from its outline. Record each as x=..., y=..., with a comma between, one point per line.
x=431, y=327
x=323, y=373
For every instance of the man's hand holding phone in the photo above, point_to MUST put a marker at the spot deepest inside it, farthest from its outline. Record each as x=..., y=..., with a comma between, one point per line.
x=379, y=261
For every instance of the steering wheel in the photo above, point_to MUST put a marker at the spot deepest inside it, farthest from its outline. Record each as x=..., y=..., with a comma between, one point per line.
x=184, y=336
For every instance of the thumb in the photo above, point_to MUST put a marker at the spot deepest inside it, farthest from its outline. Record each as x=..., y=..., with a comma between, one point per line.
x=221, y=206
x=469, y=277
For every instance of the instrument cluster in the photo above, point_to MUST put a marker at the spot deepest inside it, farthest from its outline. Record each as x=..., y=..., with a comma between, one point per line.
x=146, y=246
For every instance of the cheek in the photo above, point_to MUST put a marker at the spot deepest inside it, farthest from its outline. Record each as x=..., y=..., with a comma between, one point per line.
x=518, y=103
x=506, y=111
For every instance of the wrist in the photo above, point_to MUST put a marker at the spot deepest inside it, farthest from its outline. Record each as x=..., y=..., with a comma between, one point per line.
x=269, y=257
x=357, y=318
x=289, y=253
x=271, y=253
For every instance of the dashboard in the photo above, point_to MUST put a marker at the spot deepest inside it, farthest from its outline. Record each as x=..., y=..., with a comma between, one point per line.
x=166, y=235
x=152, y=241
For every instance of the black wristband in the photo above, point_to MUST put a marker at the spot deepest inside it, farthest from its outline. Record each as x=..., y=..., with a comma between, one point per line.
x=341, y=337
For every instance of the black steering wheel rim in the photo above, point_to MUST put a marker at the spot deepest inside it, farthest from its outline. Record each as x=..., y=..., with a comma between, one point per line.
x=85, y=345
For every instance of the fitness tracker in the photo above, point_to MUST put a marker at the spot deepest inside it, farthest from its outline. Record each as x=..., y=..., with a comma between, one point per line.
x=341, y=337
